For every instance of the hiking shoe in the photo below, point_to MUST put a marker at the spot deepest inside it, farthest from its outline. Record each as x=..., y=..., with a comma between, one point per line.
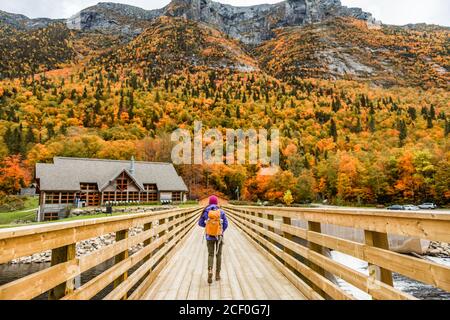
x=210, y=276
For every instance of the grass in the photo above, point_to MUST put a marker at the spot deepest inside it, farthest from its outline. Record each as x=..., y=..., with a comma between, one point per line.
x=23, y=214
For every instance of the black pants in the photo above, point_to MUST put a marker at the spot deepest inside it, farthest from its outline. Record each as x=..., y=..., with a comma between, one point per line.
x=214, y=248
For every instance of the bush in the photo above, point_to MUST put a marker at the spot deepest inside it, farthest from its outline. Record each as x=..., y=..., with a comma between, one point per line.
x=11, y=203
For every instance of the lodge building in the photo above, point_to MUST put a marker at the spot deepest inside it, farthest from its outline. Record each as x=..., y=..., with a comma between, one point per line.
x=92, y=182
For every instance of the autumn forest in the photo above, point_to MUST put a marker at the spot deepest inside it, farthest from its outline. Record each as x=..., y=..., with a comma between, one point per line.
x=366, y=139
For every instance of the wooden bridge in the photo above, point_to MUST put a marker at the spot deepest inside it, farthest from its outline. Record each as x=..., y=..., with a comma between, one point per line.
x=267, y=256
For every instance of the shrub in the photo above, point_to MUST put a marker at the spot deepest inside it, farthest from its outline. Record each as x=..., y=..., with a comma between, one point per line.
x=11, y=203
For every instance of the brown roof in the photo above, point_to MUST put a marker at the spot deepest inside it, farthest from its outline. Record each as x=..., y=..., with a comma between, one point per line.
x=66, y=174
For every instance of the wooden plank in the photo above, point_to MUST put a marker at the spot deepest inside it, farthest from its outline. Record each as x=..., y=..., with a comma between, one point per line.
x=204, y=286
x=195, y=266
x=141, y=291
x=61, y=255
x=92, y=287
x=424, y=226
x=225, y=288
x=121, y=235
x=297, y=282
x=141, y=219
x=24, y=241
x=246, y=257
x=194, y=287
x=142, y=270
x=247, y=289
x=236, y=290
x=183, y=274
x=379, y=240
x=421, y=270
x=379, y=291
x=316, y=227
x=39, y=282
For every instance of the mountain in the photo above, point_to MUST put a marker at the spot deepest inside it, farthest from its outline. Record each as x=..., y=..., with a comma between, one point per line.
x=251, y=25
x=344, y=48
x=19, y=21
x=363, y=109
x=114, y=18
x=306, y=38
x=170, y=45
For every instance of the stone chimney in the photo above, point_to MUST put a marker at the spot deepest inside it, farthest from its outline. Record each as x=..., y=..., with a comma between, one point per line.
x=133, y=166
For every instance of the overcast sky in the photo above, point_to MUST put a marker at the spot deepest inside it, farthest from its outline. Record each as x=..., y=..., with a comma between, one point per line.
x=389, y=11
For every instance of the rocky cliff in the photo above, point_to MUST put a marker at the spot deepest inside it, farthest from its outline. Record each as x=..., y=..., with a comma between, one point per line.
x=21, y=22
x=251, y=25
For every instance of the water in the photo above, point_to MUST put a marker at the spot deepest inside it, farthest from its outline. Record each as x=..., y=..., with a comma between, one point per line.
x=415, y=288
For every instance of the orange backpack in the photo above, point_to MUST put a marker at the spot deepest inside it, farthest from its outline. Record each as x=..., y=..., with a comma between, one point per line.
x=214, y=224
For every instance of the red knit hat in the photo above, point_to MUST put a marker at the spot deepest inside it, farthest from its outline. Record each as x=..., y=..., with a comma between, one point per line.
x=213, y=200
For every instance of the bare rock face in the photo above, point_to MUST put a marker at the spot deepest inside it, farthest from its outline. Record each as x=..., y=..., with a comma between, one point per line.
x=251, y=25
x=21, y=22
x=112, y=17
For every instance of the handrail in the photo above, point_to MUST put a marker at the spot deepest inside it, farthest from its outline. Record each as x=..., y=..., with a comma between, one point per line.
x=271, y=228
x=163, y=232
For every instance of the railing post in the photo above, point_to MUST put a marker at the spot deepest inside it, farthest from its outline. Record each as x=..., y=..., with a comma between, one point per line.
x=60, y=255
x=270, y=217
x=161, y=222
x=316, y=227
x=169, y=220
x=288, y=236
x=121, y=235
x=379, y=240
x=147, y=242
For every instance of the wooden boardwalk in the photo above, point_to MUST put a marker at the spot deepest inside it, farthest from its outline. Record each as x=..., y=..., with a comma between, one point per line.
x=246, y=273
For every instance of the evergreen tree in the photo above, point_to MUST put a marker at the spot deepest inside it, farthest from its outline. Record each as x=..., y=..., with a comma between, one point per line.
x=429, y=122
x=333, y=130
x=372, y=124
x=403, y=131
x=30, y=138
x=412, y=113
x=432, y=113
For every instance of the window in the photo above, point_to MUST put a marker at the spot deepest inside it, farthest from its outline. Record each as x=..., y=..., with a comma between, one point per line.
x=67, y=197
x=122, y=182
x=88, y=186
x=51, y=216
x=177, y=196
x=121, y=196
x=150, y=187
x=108, y=196
x=150, y=197
x=93, y=199
x=133, y=196
x=52, y=198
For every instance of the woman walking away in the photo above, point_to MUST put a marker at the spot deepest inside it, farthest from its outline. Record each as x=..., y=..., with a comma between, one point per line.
x=215, y=222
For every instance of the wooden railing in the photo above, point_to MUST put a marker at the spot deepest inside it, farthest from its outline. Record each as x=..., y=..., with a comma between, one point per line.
x=302, y=254
x=162, y=232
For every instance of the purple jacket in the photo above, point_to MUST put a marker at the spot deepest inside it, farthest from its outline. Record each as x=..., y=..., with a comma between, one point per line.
x=204, y=217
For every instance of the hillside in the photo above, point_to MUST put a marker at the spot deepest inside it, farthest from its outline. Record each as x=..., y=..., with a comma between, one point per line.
x=348, y=49
x=171, y=45
x=363, y=109
x=28, y=52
